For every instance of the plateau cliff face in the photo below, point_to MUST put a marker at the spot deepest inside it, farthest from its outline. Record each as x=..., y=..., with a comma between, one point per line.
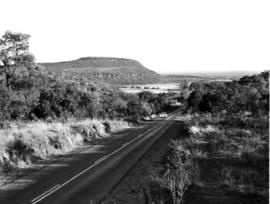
x=105, y=69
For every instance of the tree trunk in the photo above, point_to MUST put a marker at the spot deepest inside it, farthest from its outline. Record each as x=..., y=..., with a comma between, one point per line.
x=7, y=81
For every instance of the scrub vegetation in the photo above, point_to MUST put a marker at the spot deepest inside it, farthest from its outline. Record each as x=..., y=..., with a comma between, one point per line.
x=43, y=111
x=225, y=158
x=24, y=143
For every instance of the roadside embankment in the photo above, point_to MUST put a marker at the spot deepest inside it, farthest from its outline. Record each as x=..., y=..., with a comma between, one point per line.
x=21, y=144
x=211, y=160
x=132, y=188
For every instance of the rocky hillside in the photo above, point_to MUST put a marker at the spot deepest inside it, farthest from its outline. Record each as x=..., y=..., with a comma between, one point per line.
x=105, y=69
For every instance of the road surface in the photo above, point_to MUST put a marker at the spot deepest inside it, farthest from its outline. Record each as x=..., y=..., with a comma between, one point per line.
x=88, y=176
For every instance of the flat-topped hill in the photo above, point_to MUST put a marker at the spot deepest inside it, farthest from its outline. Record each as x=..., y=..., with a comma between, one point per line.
x=106, y=69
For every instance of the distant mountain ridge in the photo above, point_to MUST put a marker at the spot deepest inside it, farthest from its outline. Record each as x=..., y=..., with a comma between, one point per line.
x=106, y=69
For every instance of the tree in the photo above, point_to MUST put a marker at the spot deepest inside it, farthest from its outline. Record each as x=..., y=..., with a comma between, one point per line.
x=209, y=103
x=196, y=86
x=4, y=102
x=185, y=85
x=265, y=75
x=146, y=108
x=134, y=109
x=14, y=54
x=194, y=100
x=146, y=96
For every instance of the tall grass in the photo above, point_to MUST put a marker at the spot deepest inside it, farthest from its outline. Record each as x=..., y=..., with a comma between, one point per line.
x=24, y=143
x=241, y=151
x=234, y=153
x=179, y=172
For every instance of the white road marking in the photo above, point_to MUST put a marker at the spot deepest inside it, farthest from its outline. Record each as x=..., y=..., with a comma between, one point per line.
x=45, y=193
x=100, y=159
x=55, y=188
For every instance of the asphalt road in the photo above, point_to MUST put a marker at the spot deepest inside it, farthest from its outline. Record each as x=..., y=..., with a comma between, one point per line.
x=88, y=176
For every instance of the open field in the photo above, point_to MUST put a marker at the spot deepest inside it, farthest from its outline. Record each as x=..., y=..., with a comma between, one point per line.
x=154, y=88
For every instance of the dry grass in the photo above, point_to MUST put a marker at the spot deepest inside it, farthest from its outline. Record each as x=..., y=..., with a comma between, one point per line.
x=226, y=155
x=240, y=152
x=180, y=171
x=23, y=143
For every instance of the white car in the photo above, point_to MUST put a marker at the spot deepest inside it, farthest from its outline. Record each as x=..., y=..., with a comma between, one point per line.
x=153, y=116
x=147, y=118
x=163, y=115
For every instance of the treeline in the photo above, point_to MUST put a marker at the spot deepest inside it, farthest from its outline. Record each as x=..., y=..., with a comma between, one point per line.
x=36, y=95
x=249, y=95
x=29, y=92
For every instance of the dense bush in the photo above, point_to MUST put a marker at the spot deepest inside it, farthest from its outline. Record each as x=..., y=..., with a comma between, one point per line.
x=38, y=95
x=249, y=94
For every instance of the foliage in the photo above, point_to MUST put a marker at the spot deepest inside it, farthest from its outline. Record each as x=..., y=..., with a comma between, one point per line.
x=237, y=158
x=179, y=172
x=211, y=160
x=37, y=95
x=249, y=94
x=29, y=91
x=14, y=54
x=228, y=145
x=4, y=102
x=23, y=143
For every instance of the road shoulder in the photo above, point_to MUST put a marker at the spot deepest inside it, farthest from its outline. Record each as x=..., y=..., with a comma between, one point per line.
x=129, y=189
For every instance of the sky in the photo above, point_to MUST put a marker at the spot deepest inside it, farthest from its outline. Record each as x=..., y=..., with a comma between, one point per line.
x=169, y=36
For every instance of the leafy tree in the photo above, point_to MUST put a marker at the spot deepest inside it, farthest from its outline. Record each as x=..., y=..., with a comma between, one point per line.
x=22, y=103
x=134, y=109
x=184, y=85
x=14, y=54
x=209, y=103
x=194, y=100
x=146, y=96
x=119, y=107
x=265, y=75
x=4, y=102
x=196, y=86
x=249, y=93
x=86, y=106
x=251, y=80
x=146, y=108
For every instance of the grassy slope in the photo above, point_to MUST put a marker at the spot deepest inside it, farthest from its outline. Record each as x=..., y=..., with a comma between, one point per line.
x=110, y=70
x=232, y=159
x=23, y=143
x=220, y=162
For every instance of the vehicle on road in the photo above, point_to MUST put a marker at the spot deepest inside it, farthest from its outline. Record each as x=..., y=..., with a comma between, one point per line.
x=146, y=118
x=163, y=115
x=153, y=116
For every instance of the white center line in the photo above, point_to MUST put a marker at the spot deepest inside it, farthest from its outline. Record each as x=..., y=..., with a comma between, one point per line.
x=55, y=188
x=100, y=159
x=45, y=193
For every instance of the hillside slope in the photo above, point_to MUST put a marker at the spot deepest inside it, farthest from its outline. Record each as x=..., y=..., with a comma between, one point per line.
x=105, y=69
